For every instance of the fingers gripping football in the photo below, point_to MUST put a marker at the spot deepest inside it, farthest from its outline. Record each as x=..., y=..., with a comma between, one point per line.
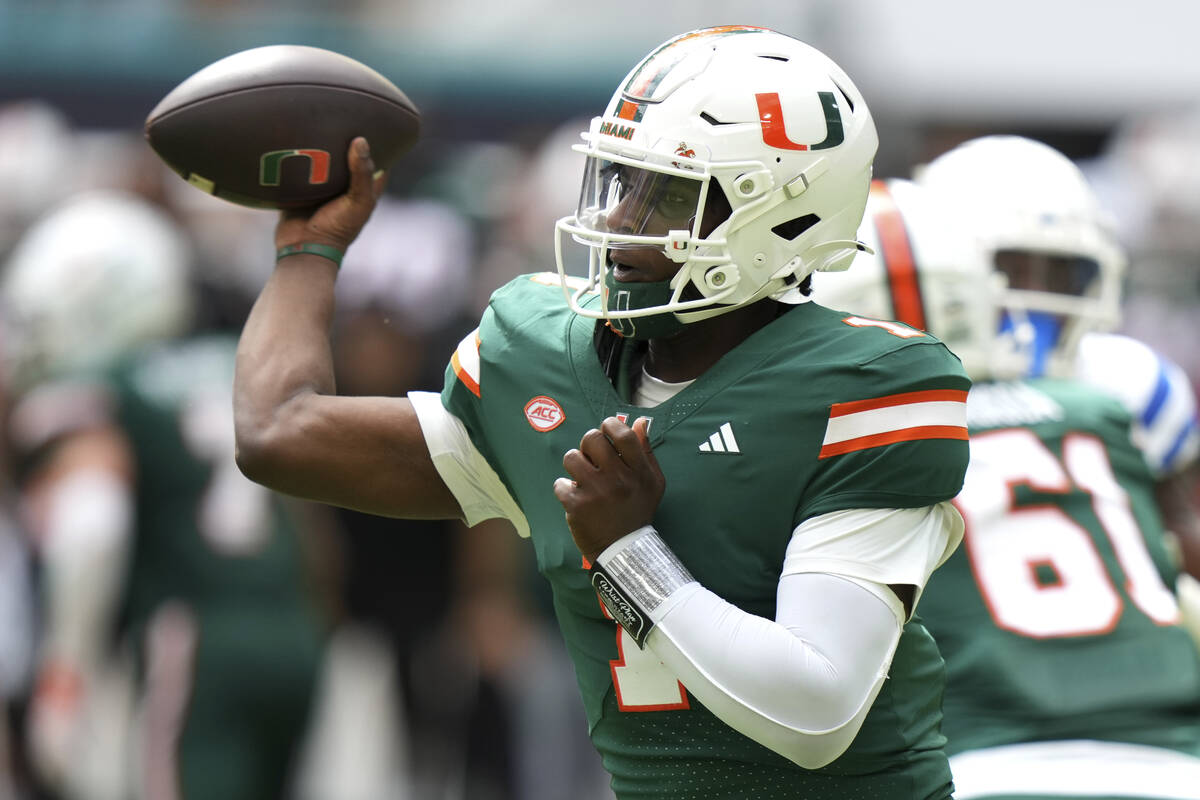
x=339, y=221
x=614, y=487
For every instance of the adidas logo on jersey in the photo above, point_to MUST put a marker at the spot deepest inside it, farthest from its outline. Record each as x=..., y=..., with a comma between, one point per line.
x=721, y=442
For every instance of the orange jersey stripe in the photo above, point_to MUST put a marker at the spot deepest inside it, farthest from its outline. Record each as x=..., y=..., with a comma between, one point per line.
x=465, y=361
x=892, y=437
x=463, y=376
x=930, y=396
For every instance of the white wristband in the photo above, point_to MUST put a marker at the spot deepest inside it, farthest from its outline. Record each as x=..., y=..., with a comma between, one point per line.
x=634, y=576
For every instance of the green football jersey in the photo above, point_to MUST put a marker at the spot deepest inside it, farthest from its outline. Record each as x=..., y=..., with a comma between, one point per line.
x=1055, y=617
x=795, y=422
x=206, y=535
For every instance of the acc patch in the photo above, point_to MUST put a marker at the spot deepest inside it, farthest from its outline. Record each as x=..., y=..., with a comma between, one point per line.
x=544, y=413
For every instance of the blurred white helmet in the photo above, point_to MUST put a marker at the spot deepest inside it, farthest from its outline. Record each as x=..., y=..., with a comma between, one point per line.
x=774, y=124
x=38, y=159
x=926, y=273
x=96, y=277
x=1038, y=221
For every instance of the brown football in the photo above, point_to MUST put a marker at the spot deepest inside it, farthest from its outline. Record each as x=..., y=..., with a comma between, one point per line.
x=269, y=127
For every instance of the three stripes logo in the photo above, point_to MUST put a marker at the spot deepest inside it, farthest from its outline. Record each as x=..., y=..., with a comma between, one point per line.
x=722, y=441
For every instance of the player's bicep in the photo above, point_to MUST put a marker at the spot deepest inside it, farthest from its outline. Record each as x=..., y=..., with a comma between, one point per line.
x=364, y=453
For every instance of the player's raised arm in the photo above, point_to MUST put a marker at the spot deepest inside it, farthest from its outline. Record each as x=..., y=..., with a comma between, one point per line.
x=293, y=433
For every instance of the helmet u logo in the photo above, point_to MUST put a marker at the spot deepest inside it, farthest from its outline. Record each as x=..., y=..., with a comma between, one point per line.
x=770, y=117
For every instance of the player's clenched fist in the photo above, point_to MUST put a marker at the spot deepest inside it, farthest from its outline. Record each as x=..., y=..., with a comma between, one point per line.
x=614, y=487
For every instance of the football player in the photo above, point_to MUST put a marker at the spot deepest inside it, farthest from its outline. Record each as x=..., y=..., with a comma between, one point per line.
x=153, y=547
x=1035, y=217
x=755, y=488
x=1069, y=673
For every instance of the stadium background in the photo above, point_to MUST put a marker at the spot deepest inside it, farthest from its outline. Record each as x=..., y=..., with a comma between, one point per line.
x=504, y=89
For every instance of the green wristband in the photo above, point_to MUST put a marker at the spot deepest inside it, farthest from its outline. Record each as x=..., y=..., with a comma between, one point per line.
x=322, y=250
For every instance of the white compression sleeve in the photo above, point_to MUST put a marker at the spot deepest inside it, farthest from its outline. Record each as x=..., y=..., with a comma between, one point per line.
x=801, y=684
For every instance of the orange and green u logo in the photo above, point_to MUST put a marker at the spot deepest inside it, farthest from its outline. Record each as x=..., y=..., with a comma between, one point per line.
x=270, y=166
x=770, y=117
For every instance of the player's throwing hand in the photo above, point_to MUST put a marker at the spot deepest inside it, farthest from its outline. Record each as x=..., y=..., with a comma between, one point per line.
x=339, y=221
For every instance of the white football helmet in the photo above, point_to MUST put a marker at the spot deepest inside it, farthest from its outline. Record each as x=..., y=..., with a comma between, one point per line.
x=1037, y=219
x=925, y=272
x=774, y=123
x=97, y=276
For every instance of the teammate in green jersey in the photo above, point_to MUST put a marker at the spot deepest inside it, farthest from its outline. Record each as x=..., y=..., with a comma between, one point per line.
x=1035, y=217
x=154, y=549
x=736, y=495
x=1069, y=674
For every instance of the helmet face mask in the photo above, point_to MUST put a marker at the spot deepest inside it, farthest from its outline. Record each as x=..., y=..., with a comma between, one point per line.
x=770, y=122
x=1038, y=222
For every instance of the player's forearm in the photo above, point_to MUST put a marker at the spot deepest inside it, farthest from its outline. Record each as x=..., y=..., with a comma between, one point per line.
x=803, y=696
x=283, y=359
x=800, y=684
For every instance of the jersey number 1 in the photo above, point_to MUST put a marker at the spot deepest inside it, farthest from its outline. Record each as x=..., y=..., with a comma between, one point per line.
x=642, y=682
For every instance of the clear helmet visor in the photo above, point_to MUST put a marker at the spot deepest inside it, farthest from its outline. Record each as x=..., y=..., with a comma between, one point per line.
x=621, y=200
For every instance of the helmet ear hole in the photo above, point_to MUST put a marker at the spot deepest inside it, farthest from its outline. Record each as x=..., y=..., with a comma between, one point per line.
x=793, y=228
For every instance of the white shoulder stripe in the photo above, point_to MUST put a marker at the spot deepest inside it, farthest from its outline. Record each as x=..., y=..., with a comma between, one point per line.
x=858, y=425
x=466, y=361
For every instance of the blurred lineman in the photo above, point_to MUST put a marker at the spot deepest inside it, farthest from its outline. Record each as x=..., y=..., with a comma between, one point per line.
x=1065, y=270
x=763, y=544
x=1068, y=671
x=145, y=530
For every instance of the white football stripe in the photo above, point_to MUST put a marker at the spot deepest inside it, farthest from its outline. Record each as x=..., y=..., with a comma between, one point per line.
x=468, y=355
x=895, y=418
x=715, y=442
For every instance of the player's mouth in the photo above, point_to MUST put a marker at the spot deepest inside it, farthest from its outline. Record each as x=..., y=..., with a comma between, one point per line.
x=636, y=265
x=623, y=273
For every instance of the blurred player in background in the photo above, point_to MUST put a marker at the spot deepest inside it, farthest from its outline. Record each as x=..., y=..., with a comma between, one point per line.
x=1038, y=221
x=1068, y=671
x=732, y=163
x=36, y=142
x=153, y=548
x=16, y=626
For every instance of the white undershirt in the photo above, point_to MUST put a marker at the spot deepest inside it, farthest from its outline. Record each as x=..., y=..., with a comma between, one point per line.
x=651, y=391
